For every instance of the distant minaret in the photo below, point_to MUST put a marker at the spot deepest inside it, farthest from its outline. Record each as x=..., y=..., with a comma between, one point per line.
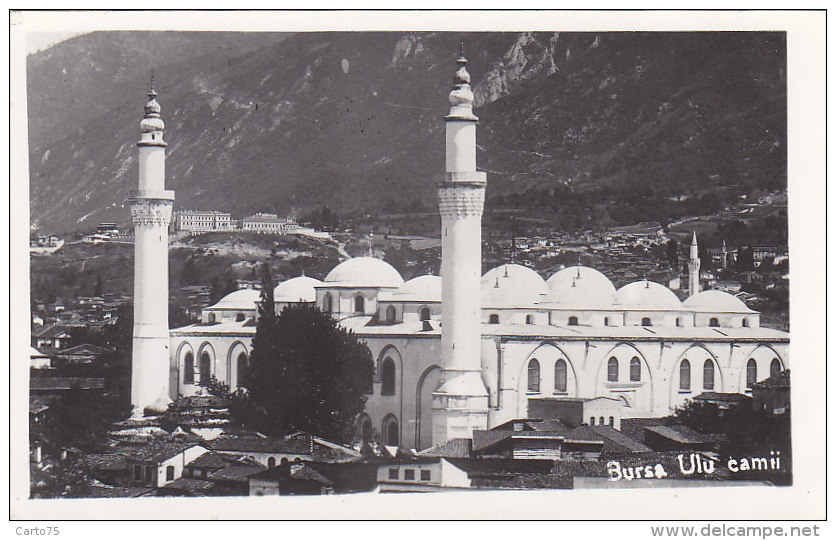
x=460, y=404
x=725, y=256
x=151, y=214
x=694, y=268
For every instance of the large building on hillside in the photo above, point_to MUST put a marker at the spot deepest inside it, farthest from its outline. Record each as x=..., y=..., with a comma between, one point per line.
x=463, y=352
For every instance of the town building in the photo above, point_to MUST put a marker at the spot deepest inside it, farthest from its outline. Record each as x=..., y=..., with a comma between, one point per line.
x=264, y=223
x=201, y=221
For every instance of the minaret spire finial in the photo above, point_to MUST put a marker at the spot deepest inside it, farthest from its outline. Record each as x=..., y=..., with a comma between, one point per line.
x=461, y=49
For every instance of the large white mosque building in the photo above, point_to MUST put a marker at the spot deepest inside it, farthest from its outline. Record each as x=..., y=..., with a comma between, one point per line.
x=465, y=351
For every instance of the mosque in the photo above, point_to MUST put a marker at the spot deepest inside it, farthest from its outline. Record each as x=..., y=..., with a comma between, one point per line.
x=465, y=351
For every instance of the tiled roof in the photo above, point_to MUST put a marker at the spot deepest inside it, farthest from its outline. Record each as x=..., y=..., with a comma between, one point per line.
x=157, y=451
x=101, y=492
x=65, y=383
x=779, y=380
x=106, y=462
x=210, y=460
x=192, y=486
x=454, y=448
x=616, y=441
x=84, y=349
x=39, y=404
x=236, y=473
x=258, y=444
x=679, y=434
x=727, y=397
x=301, y=472
x=53, y=331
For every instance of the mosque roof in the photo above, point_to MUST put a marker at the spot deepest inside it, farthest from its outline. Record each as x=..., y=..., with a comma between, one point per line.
x=580, y=287
x=298, y=289
x=240, y=299
x=647, y=294
x=512, y=285
x=716, y=301
x=35, y=353
x=364, y=272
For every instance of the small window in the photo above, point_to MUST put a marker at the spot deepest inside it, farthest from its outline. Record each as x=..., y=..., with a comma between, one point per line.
x=387, y=377
x=326, y=303
x=271, y=462
x=685, y=375
x=393, y=474
x=646, y=321
x=534, y=375
x=606, y=321
x=138, y=473
x=612, y=421
x=601, y=421
x=493, y=319
x=560, y=376
x=774, y=367
x=713, y=322
x=188, y=369
x=425, y=314
x=212, y=318
x=573, y=321
x=635, y=369
x=391, y=431
x=240, y=317
x=745, y=322
x=708, y=375
x=678, y=321
x=612, y=369
x=751, y=373
x=591, y=420
x=409, y=474
x=169, y=473
x=241, y=369
x=529, y=319
x=426, y=476
x=391, y=313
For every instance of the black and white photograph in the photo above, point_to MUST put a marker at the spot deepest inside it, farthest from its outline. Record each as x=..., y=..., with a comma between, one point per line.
x=275, y=266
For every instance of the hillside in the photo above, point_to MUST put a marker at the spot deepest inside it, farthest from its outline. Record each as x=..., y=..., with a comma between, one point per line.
x=580, y=128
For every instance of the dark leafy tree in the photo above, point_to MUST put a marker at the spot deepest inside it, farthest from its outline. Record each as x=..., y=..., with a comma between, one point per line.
x=188, y=275
x=308, y=374
x=673, y=253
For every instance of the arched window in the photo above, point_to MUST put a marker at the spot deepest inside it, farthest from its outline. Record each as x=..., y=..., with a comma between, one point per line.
x=493, y=318
x=606, y=321
x=591, y=420
x=685, y=375
x=365, y=429
x=425, y=314
x=211, y=318
x=612, y=369
x=387, y=377
x=635, y=369
x=205, y=368
x=751, y=373
x=529, y=319
x=745, y=322
x=390, y=431
x=560, y=375
x=188, y=369
x=774, y=367
x=534, y=375
x=390, y=314
x=241, y=369
x=573, y=321
x=240, y=317
x=708, y=375
x=326, y=303
x=713, y=322
x=612, y=421
x=271, y=462
x=284, y=461
x=646, y=321
x=359, y=304
x=601, y=421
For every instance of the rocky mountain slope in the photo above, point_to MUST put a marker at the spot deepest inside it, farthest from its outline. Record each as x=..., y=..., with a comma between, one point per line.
x=588, y=126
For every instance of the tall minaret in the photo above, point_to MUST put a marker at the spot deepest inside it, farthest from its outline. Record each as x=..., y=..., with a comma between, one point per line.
x=460, y=404
x=694, y=268
x=151, y=214
x=725, y=254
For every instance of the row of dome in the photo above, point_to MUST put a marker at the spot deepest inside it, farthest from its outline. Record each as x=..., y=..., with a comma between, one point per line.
x=508, y=285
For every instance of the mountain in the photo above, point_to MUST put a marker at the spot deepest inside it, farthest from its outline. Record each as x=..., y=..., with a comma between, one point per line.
x=579, y=127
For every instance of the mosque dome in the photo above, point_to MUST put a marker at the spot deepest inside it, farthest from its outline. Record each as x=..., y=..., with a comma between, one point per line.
x=581, y=286
x=512, y=285
x=647, y=294
x=426, y=287
x=364, y=272
x=298, y=289
x=241, y=299
x=716, y=301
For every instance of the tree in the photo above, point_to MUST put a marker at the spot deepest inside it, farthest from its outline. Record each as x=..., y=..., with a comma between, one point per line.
x=306, y=373
x=188, y=276
x=673, y=253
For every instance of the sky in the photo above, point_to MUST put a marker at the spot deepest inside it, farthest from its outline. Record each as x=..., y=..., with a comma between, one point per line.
x=36, y=41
